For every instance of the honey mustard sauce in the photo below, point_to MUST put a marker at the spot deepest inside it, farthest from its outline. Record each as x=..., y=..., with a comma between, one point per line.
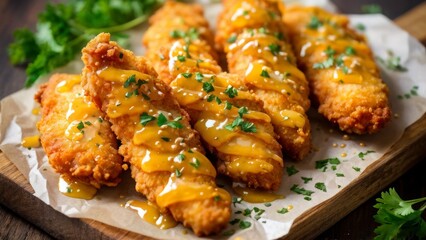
x=335, y=52
x=161, y=133
x=75, y=188
x=272, y=66
x=151, y=214
x=256, y=196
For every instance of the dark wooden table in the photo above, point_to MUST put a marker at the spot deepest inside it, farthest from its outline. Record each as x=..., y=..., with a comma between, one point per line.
x=359, y=224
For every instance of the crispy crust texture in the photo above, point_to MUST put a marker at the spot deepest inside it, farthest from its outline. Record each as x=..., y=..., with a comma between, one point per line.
x=203, y=216
x=360, y=107
x=259, y=27
x=77, y=159
x=190, y=16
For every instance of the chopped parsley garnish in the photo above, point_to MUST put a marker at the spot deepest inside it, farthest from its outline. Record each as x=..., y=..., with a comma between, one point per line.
x=282, y=211
x=181, y=157
x=187, y=75
x=141, y=82
x=279, y=35
x=228, y=105
x=130, y=80
x=245, y=126
x=162, y=120
x=315, y=23
x=235, y=221
x=291, y=170
x=267, y=204
x=371, y=8
x=247, y=212
x=306, y=179
x=181, y=58
x=295, y=188
x=196, y=163
x=210, y=98
x=360, y=27
x=208, y=87
x=340, y=175
x=189, y=35
x=349, y=50
x=228, y=233
x=329, y=51
x=323, y=65
x=275, y=49
x=80, y=125
x=178, y=173
x=146, y=97
x=87, y=123
x=216, y=198
x=264, y=73
x=100, y=119
x=232, y=39
x=236, y=200
x=356, y=169
x=321, y=186
x=244, y=224
x=363, y=154
x=242, y=111
x=323, y=164
x=145, y=118
x=231, y=91
x=392, y=62
x=199, y=76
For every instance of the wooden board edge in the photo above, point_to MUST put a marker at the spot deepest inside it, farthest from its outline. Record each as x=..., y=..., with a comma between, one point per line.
x=17, y=195
x=402, y=156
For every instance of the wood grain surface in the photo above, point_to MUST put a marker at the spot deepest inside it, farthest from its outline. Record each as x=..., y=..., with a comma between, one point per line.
x=26, y=217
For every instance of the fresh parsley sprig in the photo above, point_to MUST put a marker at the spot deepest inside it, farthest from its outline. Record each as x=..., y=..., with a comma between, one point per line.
x=398, y=219
x=63, y=29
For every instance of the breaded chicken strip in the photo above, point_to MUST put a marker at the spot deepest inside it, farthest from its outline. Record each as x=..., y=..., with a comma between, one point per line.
x=76, y=139
x=339, y=65
x=229, y=119
x=251, y=34
x=165, y=154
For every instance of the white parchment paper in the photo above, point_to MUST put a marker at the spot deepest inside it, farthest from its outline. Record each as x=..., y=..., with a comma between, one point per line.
x=407, y=97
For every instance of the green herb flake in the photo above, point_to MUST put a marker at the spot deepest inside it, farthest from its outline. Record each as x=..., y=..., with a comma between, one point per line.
x=264, y=74
x=196, y=163
x=100, y=119
x=349, y=50
x=80, y=125
x=228, y=105
x=236, y=200
x=295, y=188
x=291, y=170
x=178, y=173
x=340, y=175
x=321, y=186
x=362, y=155
x=247, y=212
x=231, y=91
x=323, y=164
x=357, y=169
x=306, y=179
x=228, y=233
x=130, y=80
x=268, y=204
x=208, y=87
x=145, y=118
x=371, y=8
x=88, y=123
x=392, y=62
x=329, y=51
x=210, y=98
x=181, y=58
x=216, y=198
x=187, y=75
x=275, y=49
x=282, y=211
x=360, y=27
x=199, y=77
x=232, y=39
x=180, y=157
x=235, y=221
x=307, y=198
x=244, y=224
x=314, y=23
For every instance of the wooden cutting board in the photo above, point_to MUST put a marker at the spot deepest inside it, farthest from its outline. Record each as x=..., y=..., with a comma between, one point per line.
x=17, y=194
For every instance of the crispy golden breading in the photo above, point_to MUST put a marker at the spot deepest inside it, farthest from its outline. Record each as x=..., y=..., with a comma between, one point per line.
x=165, y=154
x=251, y=34
x=189, y=66
x=77, y=141
x=339, y=65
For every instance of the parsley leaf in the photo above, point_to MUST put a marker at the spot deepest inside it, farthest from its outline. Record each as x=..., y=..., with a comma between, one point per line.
x=315, y=23
x=323, y=164
x=321, y=186
x=63, y=30
x=295, y=188
x=145, y=118
x=244, y=224
x=231, y=91
x=397, y=218
x=208, y=87
x=162, y=120
x=282, y=211
x=232, y=39
x=264, y=73
x=392, y=62
x=291, y=170
x=274, y=48
x=363, y=154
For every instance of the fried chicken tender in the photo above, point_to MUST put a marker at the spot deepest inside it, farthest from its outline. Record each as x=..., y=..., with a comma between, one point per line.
x=339, y=65
x=229, y=119
x=250, y=32
x=166, y=157
x=78, y=143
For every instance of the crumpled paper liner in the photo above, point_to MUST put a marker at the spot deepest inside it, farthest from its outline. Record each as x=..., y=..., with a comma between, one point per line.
x=407, y=97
